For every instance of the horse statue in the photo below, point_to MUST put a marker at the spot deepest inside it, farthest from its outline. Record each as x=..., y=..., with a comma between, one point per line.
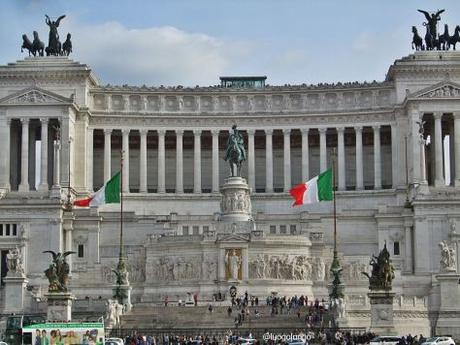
x=26, y=44
x=444, y=38
x=430, y=41
x=417, y=41
x=67, y=45
x=37, y=45
x=235, y=152
x=453, y=40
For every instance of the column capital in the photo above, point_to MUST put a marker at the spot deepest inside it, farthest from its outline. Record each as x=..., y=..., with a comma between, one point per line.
x=358, y=129
x=287, y=131
x=179, y=132
x=437, y=115
x=108, y=131
x=44, y=120
x=161, y=132
x=125, y=131
x=143, y=131
x=24, y=120
x=197, y=132
x=340, y=130
x=322, y=130
x=305, y=130
x=215, y=132
x=376, y=128
x=268, y=131
x=251, y=131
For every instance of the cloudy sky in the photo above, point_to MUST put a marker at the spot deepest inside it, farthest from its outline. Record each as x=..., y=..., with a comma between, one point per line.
x=193, y=42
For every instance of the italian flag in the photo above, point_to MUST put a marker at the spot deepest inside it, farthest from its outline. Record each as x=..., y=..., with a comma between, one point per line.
x=319, y=188
x=108, y=194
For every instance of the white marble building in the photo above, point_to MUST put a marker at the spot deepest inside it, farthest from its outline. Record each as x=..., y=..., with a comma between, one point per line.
x=173, y=139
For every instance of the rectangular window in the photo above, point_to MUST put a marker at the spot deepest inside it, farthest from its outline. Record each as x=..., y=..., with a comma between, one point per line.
x=7, y=232
x=293, y=229
x=185, y=230
x=396, y=248
x=196, y=229
x=15, y=229
x=273, y=229
x=81, y=250
x=282, y=229
x=1, y=229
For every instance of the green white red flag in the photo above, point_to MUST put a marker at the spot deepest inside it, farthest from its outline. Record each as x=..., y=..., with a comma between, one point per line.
x=109, y=193
x=319, y=188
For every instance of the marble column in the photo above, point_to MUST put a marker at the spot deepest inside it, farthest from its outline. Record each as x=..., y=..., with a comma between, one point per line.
x=377, y=159
x=359, y=157
x=269, y=160
x=57, y=168
x=107, y=154
x=44, y=155
x=305, y=155
x=5, y=155
x=287, y=159
x=341, y=157
x=438, y=153
x=161, y=161
x=456, y=149
x=24, y=185
x=90, y=159
x=197, y=161
x=125, y=144
x=322, y=150
x=395, y=159
x=179, y=161
x=215, y=160
x=143, y=161
x=251, y=160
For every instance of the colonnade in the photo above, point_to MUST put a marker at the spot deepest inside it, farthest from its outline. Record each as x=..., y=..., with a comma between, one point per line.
x=251, y=170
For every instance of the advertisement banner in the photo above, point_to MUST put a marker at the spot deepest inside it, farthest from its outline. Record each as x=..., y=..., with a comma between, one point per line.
x=71, y=333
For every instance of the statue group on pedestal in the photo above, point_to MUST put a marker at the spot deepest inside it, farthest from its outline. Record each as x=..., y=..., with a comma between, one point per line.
x=58, y=272
x=14, y=262
x=382, y=274
x=448, y=260
x=432, y=40
x=54, y=44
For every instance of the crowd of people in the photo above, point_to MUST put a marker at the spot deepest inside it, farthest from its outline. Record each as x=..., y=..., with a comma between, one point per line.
x=312, y=337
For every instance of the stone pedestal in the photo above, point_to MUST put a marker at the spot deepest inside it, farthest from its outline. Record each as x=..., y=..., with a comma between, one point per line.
x=59, y=306
x=15, y=293
x=235, y=204
x=449, y=311
x=382, y=312
x=126, y=291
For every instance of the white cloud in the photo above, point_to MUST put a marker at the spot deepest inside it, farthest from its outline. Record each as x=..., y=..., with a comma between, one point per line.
x=154, y=56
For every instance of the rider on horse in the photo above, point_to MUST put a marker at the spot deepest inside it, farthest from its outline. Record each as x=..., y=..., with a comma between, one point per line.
x=235, y=152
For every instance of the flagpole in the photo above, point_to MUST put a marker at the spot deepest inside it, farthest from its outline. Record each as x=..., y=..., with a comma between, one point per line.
x=337, y=286
x=121, y=206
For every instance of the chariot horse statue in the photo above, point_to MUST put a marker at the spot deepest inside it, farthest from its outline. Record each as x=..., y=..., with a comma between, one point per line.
x=235, y=152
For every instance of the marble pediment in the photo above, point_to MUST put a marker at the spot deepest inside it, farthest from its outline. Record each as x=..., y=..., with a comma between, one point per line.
x=35, y=96
x=243, y=238
x=443, y=90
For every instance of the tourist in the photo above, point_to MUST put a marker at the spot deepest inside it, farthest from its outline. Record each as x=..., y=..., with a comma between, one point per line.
x=229, y=311
x=210, y=308
x=166, y=300
x=38, y=340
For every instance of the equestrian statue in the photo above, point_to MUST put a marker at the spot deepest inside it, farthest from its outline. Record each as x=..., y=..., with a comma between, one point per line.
x=235, y=153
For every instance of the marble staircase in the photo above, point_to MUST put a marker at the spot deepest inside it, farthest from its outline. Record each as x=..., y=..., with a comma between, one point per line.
x=160, y=317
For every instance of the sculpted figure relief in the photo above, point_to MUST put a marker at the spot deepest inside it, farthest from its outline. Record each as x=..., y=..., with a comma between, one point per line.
x=233, y=262
x=448, y=260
